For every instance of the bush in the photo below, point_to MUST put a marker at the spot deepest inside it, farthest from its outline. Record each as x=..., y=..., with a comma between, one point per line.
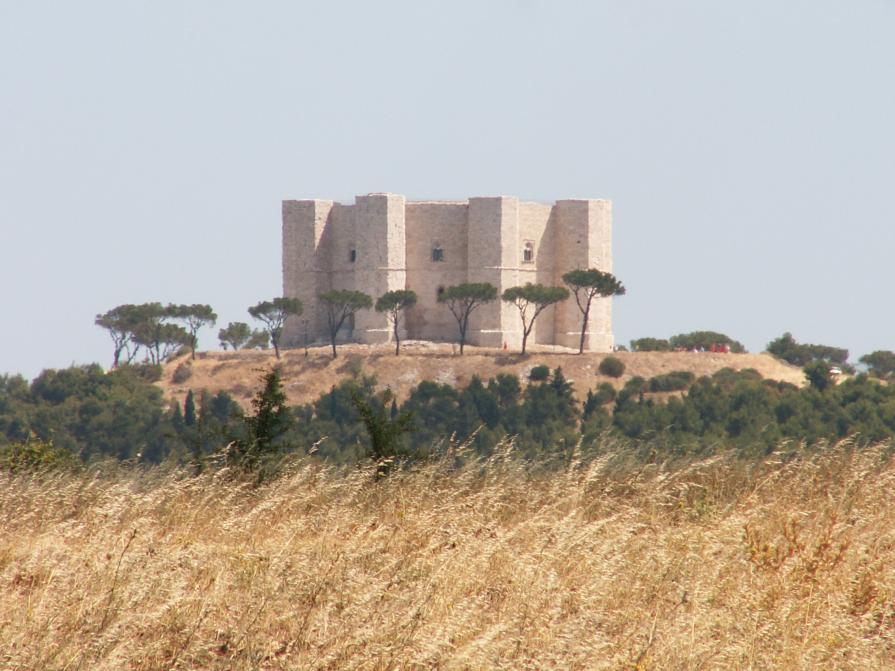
x=612, y=367
x=880, y=363
x=539, y=373
x=703, y=340
x=633, y=387
x=605, y=394
x=801, y=354
x=650, y=345
x=34, y=454
x=182, y=373
x=149, y=372
x=674, y=381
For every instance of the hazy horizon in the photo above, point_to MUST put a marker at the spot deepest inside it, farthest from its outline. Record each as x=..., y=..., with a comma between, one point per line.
x=748, y=149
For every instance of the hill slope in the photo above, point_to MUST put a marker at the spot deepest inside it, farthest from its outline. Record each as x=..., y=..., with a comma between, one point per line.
x=307, y=377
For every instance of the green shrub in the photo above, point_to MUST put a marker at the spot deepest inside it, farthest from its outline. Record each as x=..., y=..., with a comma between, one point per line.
x=703, y=340
x=149, y=372
x=674, y=381
x=633, y=387
x=650, y=345
x=35, y=454
x=539, y=373
x=182, y=373
x=801, y=354
x=612, y=367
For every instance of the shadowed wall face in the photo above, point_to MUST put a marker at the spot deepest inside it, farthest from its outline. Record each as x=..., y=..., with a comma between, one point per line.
x=382, y=243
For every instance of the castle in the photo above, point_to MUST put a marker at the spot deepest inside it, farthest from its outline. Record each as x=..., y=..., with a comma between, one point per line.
x=383, y=242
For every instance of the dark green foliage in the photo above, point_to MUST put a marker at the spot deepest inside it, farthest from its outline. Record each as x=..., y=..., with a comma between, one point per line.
x=259, y=339
x=265, y=428
x=235, y=335
x=189, y=409
x=650, y=345
x=818, y=374
x=635, y=387
x=219, y=421
x=90, y=415
x=596, y=400
x=121, y=322
x=238, y=335
x=182, y=373
x=33, y=454
x=148, y=372
x=728, y=378
x=605, y=394
x=87, y=412
x=339, y=306
x=463, y=299
x=587, y=285
x=799, y=354
x=531, y=300
x=194, y=317
x=393, y=304
x=741, y=410
x=880, y=363
x=704, y=340
x=539, y=373
x=273, y=314
x=612, y=367
x=145, y=326
x=155, y=334
x=383, y=431
x=674, y=381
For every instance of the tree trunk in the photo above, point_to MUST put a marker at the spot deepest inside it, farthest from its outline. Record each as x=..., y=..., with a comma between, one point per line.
x=584, y=329
x=333, y=342
x=524, y=340
x=397, y=341
x=276, y=348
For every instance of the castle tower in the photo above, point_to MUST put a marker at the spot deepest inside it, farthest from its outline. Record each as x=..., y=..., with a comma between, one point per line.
x=583, y=240
x=305, y=265
x=380, y=261
x=493, y=251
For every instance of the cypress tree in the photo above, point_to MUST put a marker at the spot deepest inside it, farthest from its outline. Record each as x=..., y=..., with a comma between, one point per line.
x=189, y=409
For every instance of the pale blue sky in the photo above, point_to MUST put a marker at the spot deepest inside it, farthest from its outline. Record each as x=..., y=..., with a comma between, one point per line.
x=749, y=149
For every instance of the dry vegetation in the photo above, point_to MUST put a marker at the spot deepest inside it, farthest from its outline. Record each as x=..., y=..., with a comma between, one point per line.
x=711, y=565
x=307, y=377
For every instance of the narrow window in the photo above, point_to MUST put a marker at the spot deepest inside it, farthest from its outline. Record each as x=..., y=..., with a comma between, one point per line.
x=437, y=253
x=528, y=252
x=440, y=291
x=352, y=255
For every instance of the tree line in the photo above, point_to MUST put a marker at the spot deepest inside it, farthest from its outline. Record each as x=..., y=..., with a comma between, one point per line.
x=88, y=414
x=158, y=331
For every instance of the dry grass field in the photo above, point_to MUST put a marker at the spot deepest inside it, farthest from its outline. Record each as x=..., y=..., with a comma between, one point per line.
x=606, y=565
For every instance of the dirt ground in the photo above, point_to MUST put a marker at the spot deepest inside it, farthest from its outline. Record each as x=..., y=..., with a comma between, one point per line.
x=307, y=376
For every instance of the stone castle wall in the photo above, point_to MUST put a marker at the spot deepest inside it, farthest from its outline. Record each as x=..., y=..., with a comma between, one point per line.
x=383, y=242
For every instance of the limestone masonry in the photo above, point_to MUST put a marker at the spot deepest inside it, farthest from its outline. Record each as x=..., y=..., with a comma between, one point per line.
x=384, y=242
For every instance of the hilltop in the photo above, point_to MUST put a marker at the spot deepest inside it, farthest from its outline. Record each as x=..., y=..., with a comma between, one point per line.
x=306, y=377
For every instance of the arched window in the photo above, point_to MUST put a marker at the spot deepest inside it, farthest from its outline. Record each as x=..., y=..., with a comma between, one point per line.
x=528, y=252
x=437, y=252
